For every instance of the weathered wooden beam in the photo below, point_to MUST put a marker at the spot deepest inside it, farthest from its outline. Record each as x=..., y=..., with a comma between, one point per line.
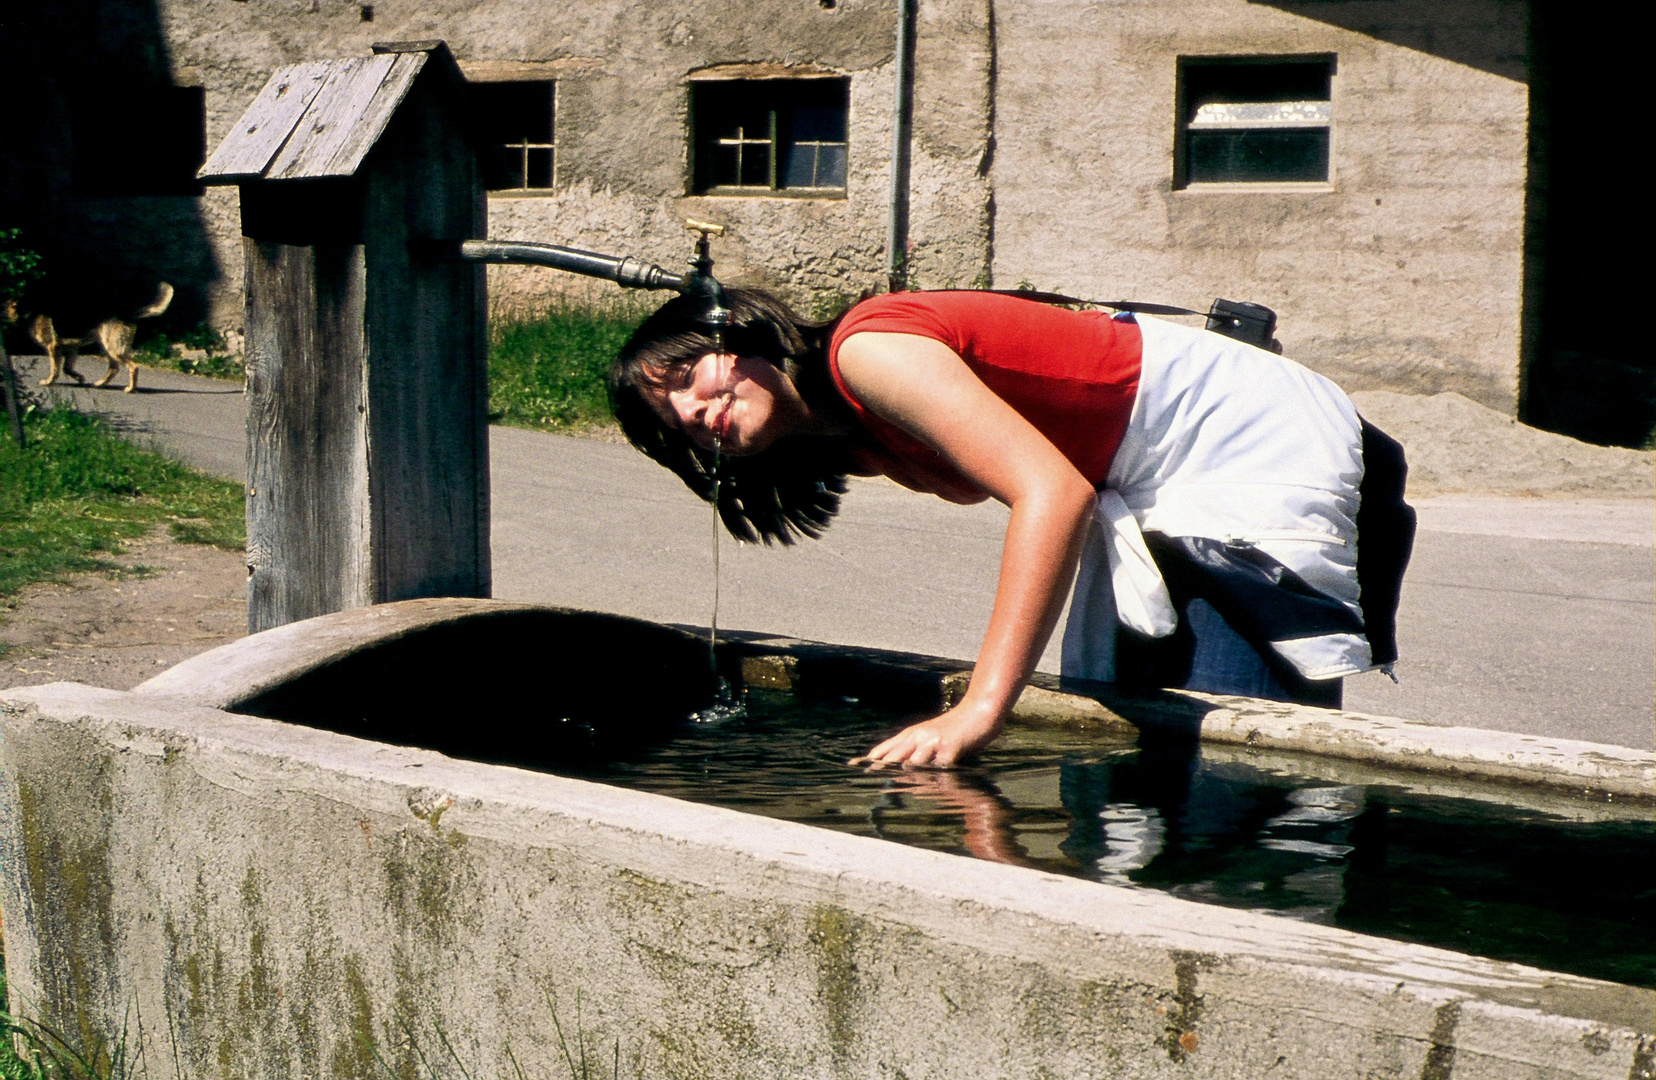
x=368, y=383
x=308, y=534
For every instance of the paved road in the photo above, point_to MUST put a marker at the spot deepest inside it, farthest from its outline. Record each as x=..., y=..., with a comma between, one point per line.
x=203, y=421
x=1536, y=616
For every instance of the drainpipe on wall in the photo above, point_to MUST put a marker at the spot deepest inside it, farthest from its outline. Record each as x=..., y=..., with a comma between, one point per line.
x=902, y=124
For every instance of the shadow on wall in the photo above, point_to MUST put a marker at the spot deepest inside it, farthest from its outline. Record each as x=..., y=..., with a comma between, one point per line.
x=1588, y=372
x=1585, y=374
x=1485, y=34
x=101, y=153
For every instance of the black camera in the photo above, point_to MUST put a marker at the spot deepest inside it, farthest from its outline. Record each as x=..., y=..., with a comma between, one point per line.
x=1252, y=323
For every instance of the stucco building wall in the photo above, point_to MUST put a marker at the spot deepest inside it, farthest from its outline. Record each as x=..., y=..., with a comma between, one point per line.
x=623, y=75
x=1404, y=271
x=1042, y=152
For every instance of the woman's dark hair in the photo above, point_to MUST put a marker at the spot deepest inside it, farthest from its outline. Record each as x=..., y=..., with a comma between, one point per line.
x=788, y=490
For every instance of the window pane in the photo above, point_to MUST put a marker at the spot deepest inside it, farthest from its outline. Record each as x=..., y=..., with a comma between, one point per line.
x=831, y=165
x=1252, y=120
x=540, y=167
x=510, y=115
x=756, y=163
x=508, y=167
x=513, y=112
x=819, y=123
x=814, y=165
x=1258, y=155
x=1221, y=81
x=761, y=121
x=801, y=167
x=723, y=171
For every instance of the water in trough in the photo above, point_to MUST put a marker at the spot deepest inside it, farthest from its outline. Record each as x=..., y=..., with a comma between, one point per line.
x=1559, y=883
x=1500, y=870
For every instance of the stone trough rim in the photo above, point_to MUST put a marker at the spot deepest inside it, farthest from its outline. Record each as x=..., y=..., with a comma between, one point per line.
x=491, y=800
x=240, y=671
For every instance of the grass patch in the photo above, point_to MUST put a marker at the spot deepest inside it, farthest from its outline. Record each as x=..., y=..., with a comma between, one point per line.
x=77, y=491
x=546, y=367
x=203, y=351
x=35, y=1051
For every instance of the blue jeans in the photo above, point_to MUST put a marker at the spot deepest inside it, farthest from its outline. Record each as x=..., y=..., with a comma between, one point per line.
x=1224, y=663
x=1206, y=654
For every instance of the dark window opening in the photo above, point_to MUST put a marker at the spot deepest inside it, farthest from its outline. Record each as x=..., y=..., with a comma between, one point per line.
x=516, y=121
x=1254, y=121
x=755, y=136
x=138, y=140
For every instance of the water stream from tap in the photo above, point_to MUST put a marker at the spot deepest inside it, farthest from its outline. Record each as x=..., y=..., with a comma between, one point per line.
x=726, y=705
x=713, y=619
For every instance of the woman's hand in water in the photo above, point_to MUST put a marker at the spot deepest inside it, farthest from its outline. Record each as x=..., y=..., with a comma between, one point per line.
x=926, y=389
x=940, y=741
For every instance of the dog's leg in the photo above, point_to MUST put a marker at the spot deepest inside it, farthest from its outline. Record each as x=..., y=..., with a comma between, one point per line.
x=45, y=335
x=114, y=366
x=71, y=353
x=116, y=337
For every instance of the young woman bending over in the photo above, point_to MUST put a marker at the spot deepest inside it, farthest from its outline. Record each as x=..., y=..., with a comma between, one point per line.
x=1207, y=489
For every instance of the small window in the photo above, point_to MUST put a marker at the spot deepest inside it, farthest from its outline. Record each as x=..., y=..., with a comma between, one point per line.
x=133, y=139
x=516, y=121
x=763, y=136
x=1254, y=121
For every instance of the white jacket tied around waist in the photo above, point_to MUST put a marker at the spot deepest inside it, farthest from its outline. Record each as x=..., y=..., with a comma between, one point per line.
x=1232, y=443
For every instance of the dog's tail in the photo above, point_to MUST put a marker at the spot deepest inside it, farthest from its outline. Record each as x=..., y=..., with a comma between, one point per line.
x=42, y=330
x=163, y=299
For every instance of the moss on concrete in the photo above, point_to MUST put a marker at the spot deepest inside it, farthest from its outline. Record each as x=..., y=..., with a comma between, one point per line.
x=353, y=1056
x=832, y=936
x=65, y=837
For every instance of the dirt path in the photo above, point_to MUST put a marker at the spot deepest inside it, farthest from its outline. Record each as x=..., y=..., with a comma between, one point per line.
x=116, y=630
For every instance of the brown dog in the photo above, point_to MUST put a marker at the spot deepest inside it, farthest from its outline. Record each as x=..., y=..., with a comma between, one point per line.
x=113, y=335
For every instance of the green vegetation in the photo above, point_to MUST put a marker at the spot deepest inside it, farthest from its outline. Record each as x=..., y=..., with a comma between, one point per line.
x=30, y=1050
x=76, y=491
x=34, y=1051
x=546, y=368
x=19, y=266
x=582, y=1059
x=155, y=348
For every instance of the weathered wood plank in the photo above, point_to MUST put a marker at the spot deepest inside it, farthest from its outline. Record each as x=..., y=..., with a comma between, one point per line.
x=347, y=117
x=427, y=385
x=328, y=122
x=257, y=137
x=307, y=453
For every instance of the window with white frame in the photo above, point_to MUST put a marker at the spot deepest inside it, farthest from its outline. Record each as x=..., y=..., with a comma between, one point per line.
x=517, y=123
x=1247, y=120
x=769, y=136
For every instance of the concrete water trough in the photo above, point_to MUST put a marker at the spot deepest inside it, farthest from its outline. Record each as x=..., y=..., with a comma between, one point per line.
x=242, y=868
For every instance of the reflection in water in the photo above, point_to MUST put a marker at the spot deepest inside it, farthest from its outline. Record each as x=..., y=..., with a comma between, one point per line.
x=986, y=816
x=1575, y=893
x=1132, y=837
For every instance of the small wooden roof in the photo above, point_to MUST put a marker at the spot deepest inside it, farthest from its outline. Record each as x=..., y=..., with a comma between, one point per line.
x=320, y=119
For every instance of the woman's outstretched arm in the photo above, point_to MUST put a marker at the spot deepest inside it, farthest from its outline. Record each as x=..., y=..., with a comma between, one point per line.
x=922, y=386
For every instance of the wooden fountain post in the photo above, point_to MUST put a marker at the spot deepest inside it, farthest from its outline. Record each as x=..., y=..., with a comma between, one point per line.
x=367, y=433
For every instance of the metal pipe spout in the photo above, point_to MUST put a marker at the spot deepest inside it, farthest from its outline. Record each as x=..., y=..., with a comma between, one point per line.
x=625, y=270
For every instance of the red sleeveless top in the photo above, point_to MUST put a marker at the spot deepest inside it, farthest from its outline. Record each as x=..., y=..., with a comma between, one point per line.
x=1072, y=374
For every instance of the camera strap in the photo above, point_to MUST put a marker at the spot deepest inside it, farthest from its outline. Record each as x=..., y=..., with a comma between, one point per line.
x=1135, y=306
x=1244, y=321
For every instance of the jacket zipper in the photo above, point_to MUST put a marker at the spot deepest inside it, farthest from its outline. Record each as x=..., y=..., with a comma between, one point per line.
x=1304, y=535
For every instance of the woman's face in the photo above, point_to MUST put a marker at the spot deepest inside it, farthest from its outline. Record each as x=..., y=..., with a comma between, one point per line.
x=740, y=403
